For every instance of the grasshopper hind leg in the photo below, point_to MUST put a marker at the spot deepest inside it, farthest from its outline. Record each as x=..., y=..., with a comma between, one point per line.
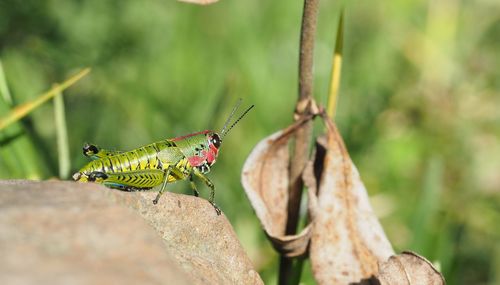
x=106, y=180
x=124, y=187
x=94, y=152
x=90, y=150
x=97, y=176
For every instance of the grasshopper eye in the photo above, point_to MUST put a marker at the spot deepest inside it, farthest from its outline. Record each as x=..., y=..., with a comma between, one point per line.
x=216, y=141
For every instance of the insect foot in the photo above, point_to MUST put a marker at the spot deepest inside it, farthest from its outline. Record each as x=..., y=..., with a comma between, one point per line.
x=217, y=209
x=155, y=201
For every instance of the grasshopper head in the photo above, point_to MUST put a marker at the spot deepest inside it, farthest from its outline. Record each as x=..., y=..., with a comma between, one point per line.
x=214, y=140
x=214, y=143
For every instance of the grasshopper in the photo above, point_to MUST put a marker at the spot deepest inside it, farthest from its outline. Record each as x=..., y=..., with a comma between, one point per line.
x=159, y=163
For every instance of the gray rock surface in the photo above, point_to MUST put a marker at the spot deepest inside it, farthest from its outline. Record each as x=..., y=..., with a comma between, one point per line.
x=70, y=233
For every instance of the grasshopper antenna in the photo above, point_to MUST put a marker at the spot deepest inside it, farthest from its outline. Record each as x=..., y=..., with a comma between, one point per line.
x=238, y=103
x=224, y=132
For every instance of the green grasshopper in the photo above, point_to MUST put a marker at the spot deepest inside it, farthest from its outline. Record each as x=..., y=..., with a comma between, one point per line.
x=158, y=163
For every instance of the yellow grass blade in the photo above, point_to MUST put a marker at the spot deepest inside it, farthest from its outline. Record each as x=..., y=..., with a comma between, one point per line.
x=336, y=68
x=24, y=109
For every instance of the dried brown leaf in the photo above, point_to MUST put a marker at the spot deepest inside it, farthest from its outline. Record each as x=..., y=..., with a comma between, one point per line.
x=347, y=240
x=408, y=268
x=265, y=178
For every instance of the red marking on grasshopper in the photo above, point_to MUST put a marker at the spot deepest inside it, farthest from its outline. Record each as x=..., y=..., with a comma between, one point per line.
x=196, y=160
x=211, y=154
x=191, y=135
x=208, y=156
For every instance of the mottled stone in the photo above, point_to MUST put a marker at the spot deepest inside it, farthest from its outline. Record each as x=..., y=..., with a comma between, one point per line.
x=69, y=233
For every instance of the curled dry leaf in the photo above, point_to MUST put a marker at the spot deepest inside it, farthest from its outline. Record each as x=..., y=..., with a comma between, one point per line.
x=408, y=268
x=347, y=242
x=347, y=239
x=200, y=2
x=265, y=178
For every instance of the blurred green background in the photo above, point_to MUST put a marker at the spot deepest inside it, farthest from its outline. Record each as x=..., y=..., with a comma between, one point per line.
x=418, y=104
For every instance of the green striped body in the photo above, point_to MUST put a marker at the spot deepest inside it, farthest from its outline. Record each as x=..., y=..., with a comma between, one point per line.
x=158, y=163
x=141, y=168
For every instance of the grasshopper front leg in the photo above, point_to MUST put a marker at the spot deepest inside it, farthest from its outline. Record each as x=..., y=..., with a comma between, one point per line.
x=193, y=186
x=209, y=183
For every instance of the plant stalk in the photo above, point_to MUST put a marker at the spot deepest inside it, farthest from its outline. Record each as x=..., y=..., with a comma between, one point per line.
x=287, y=273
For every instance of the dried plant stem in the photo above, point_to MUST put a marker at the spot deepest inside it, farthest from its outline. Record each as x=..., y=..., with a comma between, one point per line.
x=303, y=135
x=307, y=35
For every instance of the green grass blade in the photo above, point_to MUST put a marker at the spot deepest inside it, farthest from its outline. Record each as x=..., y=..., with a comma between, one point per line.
x=18, y=155
x=4, y=90
x=62, y=136
x=22, y=110
x=428, y=208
